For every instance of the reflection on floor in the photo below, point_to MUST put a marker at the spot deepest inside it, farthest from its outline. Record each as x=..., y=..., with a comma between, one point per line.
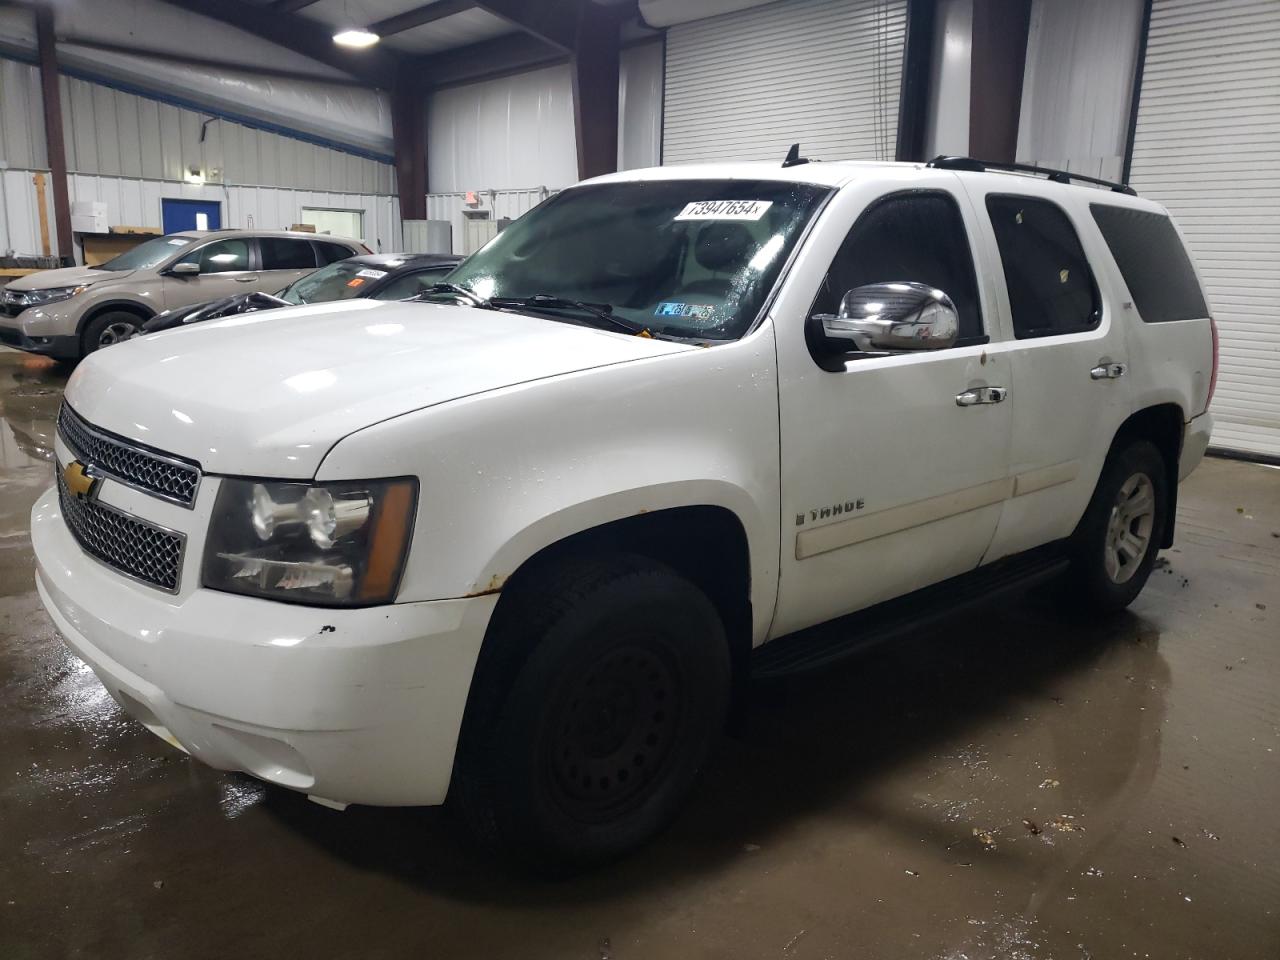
x=1012, y=784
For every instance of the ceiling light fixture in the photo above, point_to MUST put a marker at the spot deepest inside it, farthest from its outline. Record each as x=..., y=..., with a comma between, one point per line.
x=355, y=37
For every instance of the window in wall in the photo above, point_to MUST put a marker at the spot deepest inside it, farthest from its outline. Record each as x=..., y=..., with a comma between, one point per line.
x=221, y=256
x=1051, y=287
x=339, y=223
x=917, y=237
x=1153, y=262
x=280, y=253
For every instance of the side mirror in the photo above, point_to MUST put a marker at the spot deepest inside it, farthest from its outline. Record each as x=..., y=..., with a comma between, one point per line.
x=890, y=318
x=184, y=269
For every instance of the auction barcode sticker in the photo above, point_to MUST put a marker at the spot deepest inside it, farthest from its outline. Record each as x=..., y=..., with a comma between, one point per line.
x=724, y=210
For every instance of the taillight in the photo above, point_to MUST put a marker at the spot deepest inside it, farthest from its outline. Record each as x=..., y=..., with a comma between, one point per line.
x=1213, y=378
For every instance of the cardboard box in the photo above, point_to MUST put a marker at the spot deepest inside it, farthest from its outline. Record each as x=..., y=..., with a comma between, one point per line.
x=304, y=227
x=149, y=231
x=82, y=223
x=89, y=208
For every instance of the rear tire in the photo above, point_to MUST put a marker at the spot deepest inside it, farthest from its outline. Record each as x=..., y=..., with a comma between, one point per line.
x=585, y=741
x=1115, y=546
x=108, y=329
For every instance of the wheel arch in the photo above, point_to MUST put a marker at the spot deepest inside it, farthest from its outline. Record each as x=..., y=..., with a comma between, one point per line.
x=140, y=310
x=1162, y=424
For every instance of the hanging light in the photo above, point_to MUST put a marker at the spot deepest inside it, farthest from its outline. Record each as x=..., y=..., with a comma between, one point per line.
x=356, y=37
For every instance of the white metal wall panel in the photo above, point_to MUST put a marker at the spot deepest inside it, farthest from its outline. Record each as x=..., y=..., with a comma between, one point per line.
x=1077, y=84
x=21, y=116
x=640, y=107
x=1208, y=147
x=20, y=213
x=826, y=73
x=501, y=204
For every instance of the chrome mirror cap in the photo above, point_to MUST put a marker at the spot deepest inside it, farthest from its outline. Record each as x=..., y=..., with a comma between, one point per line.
x=893, y=317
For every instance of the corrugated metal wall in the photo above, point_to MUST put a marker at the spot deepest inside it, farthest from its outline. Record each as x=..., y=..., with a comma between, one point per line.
x=826, y=73
x=131, y=150
x=501, y=204
x=1207, y=146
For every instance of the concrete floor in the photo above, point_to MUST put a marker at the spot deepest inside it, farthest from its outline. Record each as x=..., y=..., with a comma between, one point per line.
x=1015, y=784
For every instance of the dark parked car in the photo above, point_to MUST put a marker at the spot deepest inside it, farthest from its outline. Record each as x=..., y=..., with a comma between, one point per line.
x=383, y=276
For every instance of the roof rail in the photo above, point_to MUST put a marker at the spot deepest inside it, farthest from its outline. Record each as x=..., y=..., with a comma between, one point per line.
x=1057, y=176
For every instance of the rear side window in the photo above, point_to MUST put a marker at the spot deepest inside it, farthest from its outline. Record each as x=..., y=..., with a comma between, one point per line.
x=332, y=252
x=1051, y=287
x=917, y=237
x=279, y=253
x=1153, y=262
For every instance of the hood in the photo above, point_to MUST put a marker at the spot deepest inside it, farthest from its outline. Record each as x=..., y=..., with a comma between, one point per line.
x=269, y=393
x=66, y=277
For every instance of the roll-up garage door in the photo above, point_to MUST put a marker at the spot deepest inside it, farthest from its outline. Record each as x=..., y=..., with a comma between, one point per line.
x=824, y=73
x=1207, y=146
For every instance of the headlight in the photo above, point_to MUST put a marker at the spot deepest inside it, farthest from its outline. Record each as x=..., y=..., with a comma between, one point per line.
x=38, y=298
x=328, y=544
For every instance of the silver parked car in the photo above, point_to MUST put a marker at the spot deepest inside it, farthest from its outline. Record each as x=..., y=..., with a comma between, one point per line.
x=71, y=312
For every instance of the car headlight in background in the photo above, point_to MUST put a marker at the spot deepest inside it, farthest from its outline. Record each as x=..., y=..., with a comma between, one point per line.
x=328, y=544
x=38, y=298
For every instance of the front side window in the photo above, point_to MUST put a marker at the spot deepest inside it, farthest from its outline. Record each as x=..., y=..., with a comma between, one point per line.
x=1051, y=286
x=146, y=255
x=1153, y=262
x=913, y=237
x=683, y=258
x=221, y=256
x=338, y=281
x=280, y=253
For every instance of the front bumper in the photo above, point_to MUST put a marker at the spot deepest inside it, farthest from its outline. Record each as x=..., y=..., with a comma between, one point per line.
x=349, y=706
x=63, y=348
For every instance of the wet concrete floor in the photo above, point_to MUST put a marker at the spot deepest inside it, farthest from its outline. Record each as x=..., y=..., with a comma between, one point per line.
x=1014, y=784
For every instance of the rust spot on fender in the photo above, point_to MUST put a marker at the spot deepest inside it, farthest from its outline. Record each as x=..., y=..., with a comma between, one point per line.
x=494, y=586
x=983, y=358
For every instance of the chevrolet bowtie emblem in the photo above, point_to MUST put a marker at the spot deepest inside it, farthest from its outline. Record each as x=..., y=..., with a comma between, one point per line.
x=76, y=476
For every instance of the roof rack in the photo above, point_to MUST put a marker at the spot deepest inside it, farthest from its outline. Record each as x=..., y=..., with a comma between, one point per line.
x=1057, y=176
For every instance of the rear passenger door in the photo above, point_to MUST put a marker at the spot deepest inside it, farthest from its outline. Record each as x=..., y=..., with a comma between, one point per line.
x=1068, y=357
x=284, y=260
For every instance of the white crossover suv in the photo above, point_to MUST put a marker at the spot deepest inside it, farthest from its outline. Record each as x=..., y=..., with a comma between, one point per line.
x=520, y=543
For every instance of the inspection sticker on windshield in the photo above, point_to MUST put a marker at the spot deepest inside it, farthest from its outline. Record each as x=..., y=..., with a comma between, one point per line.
x=178, y=241
x=694, y=311
x=724, y=210
x=372, y=274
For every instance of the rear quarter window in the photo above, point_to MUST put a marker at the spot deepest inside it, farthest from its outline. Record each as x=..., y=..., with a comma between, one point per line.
x=1153, y=262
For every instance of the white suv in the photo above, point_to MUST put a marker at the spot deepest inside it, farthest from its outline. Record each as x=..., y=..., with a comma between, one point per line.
x=522, y=543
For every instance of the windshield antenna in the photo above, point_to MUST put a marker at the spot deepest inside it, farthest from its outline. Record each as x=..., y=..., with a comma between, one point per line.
x=793, y=157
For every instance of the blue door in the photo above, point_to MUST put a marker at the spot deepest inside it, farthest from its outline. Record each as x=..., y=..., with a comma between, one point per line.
x=190, y=215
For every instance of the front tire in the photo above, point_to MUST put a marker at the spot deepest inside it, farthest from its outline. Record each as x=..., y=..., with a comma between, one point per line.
x=603, y=727
x=108, y=329
x=1114, y=548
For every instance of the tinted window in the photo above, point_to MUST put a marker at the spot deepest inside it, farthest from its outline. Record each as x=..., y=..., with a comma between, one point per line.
x=331, y=252
x=1051, y=288
x=281, y=254
x=221, y=256
x=913, y=237
x=1154, y=263
x=402, y=288
x=337, y=281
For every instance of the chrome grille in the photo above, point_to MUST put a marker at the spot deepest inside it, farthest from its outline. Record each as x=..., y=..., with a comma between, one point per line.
x=136, y=548
x=158, y=474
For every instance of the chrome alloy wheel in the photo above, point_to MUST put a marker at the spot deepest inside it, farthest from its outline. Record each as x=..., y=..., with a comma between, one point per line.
x=117, y=332
x=1133, y=517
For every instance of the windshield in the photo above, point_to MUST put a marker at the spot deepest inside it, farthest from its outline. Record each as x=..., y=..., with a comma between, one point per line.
x=338, y=281
x=688, y=258
x=147, y=255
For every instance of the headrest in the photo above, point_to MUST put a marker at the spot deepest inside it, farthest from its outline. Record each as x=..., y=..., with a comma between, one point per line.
x=722, y=244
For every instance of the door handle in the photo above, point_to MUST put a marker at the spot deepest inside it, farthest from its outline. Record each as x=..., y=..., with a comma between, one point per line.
x=1109, y=371
x=246, y=279
x=979, y=395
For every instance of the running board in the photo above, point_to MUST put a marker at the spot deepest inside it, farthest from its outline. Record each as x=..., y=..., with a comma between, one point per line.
x=835, y=640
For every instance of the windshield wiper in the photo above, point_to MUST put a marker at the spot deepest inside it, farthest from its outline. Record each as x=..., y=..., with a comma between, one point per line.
x=601, y=311
x=456, y=289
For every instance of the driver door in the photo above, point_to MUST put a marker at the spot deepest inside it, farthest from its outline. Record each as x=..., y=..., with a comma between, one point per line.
x=890, y=481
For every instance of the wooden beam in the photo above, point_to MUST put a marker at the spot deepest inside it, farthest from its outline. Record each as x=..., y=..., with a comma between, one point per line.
x=999, y=56
x=595, y=90
x=917, y=66
x=419, y=16
x=409, y=131
x=51, y=94
x=307, y=37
